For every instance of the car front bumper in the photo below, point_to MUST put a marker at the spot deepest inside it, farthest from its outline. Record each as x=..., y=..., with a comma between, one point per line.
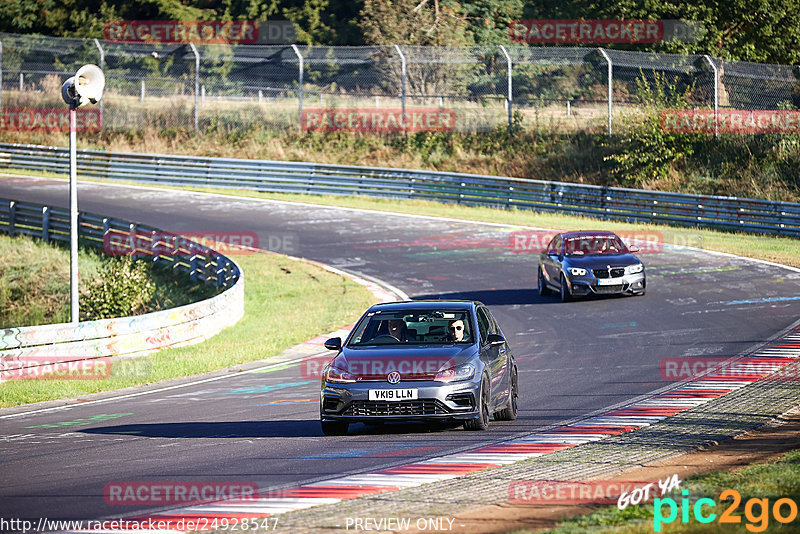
x=435, y=401
x=588, y=285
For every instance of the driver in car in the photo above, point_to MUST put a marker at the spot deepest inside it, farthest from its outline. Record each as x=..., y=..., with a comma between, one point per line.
x=456, y=330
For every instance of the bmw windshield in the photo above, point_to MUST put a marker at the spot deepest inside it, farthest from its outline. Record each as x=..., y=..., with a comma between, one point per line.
x=595, y=245
x=420, y=327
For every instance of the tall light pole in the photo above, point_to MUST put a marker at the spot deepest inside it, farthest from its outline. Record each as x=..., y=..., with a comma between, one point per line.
x=84, y=88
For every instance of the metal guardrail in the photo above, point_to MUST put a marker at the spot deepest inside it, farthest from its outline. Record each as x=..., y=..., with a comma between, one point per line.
x=27, y=347
x=608, y=203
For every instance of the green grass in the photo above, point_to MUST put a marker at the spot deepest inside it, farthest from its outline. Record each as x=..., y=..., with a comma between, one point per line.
x=287, y=302
x=34, y=282
x=785, y=250
x=771, y=480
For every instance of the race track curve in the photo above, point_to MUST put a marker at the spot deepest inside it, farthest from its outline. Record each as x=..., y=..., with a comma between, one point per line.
x=574, y=359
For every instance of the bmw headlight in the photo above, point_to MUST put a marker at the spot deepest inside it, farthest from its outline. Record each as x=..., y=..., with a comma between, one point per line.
x=455, y=374
x=577, y=271
x=633, y=269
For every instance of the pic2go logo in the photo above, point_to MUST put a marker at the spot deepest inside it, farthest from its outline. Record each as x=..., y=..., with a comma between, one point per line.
x=783, y=510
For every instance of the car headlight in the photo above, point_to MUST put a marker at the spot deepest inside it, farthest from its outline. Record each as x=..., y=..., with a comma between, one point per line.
x=633, y=269
x=455, y=374
x=577, y=271
x=338, y=376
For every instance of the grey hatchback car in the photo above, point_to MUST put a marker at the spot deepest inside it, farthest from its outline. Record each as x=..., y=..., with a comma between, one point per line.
x=590, y=263
x=420, y=360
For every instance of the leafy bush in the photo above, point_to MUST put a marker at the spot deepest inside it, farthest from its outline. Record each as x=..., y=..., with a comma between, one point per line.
x=123, y=287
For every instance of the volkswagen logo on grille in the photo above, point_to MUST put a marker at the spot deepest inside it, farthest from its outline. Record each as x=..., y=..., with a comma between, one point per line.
x=393, y=377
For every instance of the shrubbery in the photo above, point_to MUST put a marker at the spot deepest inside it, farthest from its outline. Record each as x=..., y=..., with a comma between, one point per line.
x=122, y=287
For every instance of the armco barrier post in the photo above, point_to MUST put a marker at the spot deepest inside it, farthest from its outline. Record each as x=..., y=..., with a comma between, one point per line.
x=300, y=69
x=610, y=90
x=12, y=216
x=45, y=224
x=509, y=98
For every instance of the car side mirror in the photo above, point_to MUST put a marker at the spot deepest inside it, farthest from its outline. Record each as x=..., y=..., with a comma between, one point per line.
x=334, y=343
x=495, y=339
x=633, y=248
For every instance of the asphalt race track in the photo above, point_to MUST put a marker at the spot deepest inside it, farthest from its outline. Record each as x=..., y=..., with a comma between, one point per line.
x=574, y=359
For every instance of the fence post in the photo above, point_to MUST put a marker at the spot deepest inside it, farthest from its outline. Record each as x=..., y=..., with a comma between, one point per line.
x=103, y=68
x=402, y=83
x=716, y=94
x=1, y=74
x=196, y=88
x=300, y=69
x=610, y=91
x=45, y=224
x=509, y=98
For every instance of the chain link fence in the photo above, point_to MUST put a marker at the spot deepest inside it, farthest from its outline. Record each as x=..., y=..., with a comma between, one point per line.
x=205, y=87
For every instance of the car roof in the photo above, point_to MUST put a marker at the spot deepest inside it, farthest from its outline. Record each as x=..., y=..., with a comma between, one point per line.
x=433, y=303
x=586, y=233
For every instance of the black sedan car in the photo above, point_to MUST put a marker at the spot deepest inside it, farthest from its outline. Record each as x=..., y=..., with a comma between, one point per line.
x=420, y=360
x=590, y=263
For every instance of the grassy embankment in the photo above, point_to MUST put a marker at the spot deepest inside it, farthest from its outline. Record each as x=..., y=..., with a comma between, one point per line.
x=34, y=282
x=770, y=480
x=282, y=308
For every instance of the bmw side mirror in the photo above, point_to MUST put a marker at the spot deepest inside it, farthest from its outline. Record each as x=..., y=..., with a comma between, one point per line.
x=334, y=343
x=633, y=248
x=495, y=339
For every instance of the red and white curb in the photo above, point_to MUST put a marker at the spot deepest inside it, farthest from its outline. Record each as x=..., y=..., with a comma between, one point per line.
x=757, y=366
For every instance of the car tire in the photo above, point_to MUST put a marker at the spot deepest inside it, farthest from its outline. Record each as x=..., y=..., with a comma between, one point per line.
x=509, y=413
x=565, y=293
x=542, y=286
x=334, y=428
x=482, y=421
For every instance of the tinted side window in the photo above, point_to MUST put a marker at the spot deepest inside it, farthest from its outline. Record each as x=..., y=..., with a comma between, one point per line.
x=483, y=324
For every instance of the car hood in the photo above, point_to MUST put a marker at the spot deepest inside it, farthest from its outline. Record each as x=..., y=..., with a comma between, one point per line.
x=413, y=362
x=601, y=261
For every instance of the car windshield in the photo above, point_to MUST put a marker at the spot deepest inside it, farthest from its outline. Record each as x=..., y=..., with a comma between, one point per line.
x=593, y=245
x=424, y=326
